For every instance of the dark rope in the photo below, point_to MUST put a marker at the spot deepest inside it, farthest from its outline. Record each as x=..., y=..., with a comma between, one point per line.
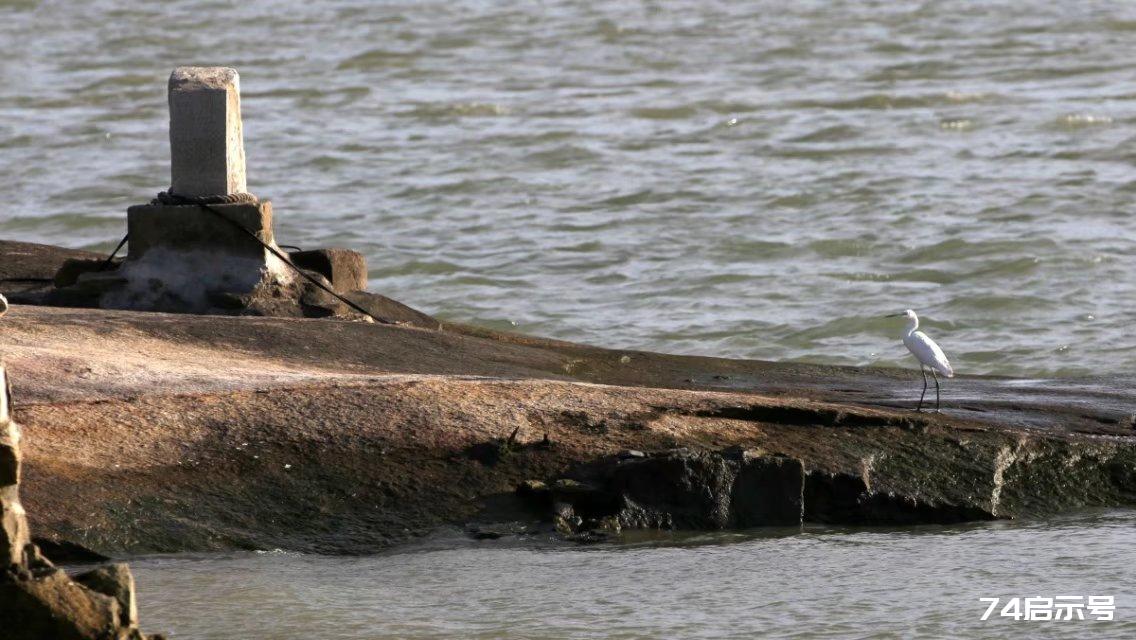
x=168, y=198
x=110, y=258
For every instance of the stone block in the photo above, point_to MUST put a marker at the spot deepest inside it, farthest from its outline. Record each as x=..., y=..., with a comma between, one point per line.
x=53, y=606
x=116, y=581
x=345, y=269
x=207, y=154
x=192, y=228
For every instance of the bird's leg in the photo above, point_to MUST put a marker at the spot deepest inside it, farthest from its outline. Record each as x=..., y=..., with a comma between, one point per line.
x=935, y=375
x=924, y=372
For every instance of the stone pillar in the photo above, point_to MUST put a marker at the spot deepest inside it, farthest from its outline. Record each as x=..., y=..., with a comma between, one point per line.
x=207, y=147
x=185, y=257
x=14, y=537
x=206, y=245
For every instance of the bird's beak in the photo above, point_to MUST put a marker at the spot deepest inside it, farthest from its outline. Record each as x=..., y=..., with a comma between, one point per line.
x=894, y=315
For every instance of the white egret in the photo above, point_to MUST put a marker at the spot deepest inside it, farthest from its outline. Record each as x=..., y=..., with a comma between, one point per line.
x=929, y=355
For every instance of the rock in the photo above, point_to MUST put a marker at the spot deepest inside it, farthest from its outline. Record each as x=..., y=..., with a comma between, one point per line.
x=69, y=272
x=116, y=581
x=564, y=518
x=590, y=536
x=53, y=606
x=37, y=600
x=587, y=499
x=14, y=536
x=487, y=453
x=844, y=498
x=345, y=270
x=535, y=493
x=497, y=530
x=768, y=491
x=679, y=489
x=735, y=488
x=629, y=454
x=32, y=267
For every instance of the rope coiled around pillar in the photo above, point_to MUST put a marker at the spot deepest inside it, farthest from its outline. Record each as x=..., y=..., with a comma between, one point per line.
x=171, y=198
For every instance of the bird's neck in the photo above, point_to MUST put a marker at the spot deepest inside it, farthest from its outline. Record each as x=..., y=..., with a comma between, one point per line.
x=912, y=325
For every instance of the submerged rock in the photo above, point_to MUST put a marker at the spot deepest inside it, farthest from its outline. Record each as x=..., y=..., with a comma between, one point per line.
x=728, y=489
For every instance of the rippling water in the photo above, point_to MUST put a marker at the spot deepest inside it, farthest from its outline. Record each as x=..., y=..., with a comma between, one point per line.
x=758, y=179
x=824, y=583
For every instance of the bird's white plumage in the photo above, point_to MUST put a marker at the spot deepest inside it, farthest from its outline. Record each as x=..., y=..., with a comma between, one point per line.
x=924, y=348
x=927, y=352
x=3, y=305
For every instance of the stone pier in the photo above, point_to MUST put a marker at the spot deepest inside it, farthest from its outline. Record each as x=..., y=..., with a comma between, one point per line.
x=207, y=245
x=185, y=257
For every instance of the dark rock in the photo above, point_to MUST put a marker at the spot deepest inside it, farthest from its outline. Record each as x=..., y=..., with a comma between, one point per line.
x=69, y=272
x=590, y=536
x=498, y=530
x=487, y=453
x=768, y=491
x=67, y=552
x=833, y=497
x=587, y=499
x=680, y=489
x=532, y=488
x=381, y=306
x=535, y=493
x=844, y=498
x=345, y=270
x=229, y=300
x=479, y=532
x=734, y=488
x=564, y=518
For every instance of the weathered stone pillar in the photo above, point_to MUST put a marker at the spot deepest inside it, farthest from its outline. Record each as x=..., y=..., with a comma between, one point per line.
x=206, y=245
x=183, y=256
x=207, y=146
